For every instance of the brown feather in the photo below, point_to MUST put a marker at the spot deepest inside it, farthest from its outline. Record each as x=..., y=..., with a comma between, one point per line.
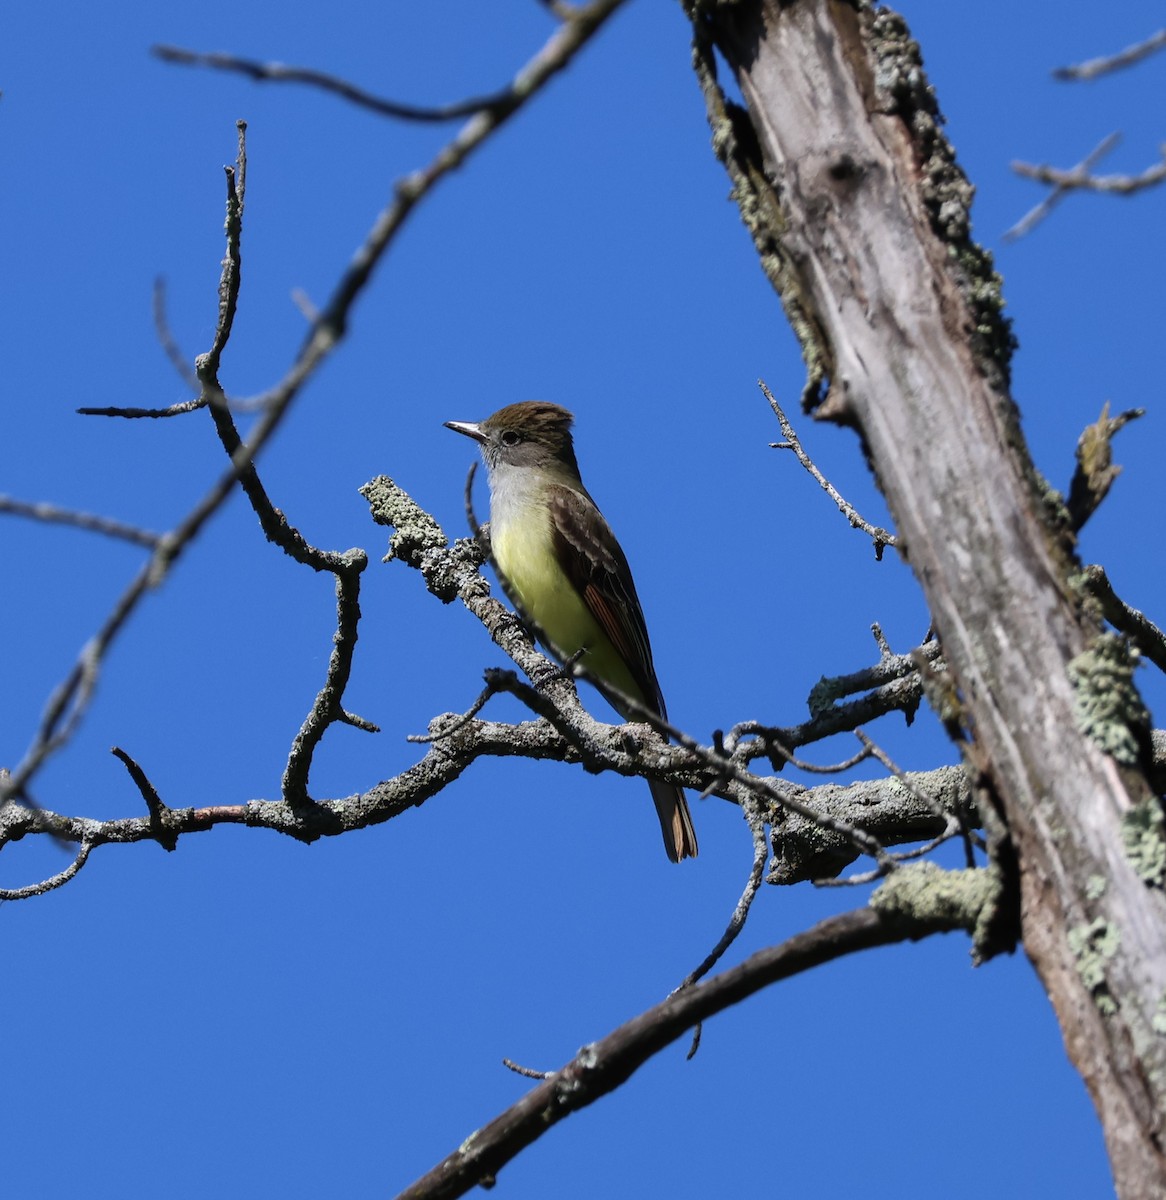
x=599, y=572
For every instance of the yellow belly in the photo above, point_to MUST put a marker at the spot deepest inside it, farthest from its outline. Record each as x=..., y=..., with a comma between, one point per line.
x=524, y=553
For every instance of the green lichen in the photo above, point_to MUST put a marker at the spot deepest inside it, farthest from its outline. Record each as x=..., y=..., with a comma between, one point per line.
x=416, y=530
x=1106, y=704
x=1095, y=886
x=1158, y=1020
x=1143, y=832
x=1092, y=946
x=925, y=897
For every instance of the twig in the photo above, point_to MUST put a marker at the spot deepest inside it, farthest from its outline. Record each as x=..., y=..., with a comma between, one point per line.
x=1148, y=638
x=130, y=414
x=881, y=537
x=1119, y=185
x=755, y=818
x=819, y=768
x=328, y=706
x=168, y=342
x=159, y=813
x=1076, y=179
x=1033, y=218
x=576, y=732
x=525, y=1072
x=54, y=515
x=54, y=881
x=274, y=72
x=756, y=822
x=893, y=684
x=604, y=1065
x=458, y=722
x=1114, y=62
x=922, y=796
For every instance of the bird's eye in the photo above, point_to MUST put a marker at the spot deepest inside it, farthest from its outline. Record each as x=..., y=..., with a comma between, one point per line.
x=511, y=437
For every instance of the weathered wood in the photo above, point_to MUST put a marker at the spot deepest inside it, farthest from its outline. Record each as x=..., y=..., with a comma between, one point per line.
x=860, y=214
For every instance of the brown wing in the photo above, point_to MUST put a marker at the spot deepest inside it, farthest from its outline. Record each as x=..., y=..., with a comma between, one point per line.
x=600, y=574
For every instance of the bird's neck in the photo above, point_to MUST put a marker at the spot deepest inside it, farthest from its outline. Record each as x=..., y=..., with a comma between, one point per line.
x=515, y=491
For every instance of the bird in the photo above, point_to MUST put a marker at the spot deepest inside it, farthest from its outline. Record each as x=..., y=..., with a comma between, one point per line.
x=562, y=564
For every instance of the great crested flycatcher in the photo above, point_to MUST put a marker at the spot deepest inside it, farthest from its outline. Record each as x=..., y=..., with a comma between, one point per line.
x=566, y=570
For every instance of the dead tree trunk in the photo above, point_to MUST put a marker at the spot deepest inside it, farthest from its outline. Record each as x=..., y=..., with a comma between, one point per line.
x=861, y=219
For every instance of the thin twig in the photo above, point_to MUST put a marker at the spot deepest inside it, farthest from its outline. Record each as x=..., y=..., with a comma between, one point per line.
x=54, y=881
x=1147, y=636
x=820, y=768
x=166, y=339
x=274, y=72
x=918, y=793
x=130, y=414
x=783, y=798
x=1114, y=62
x=755, y=817
x=459, y=721
x=525, y=1072
x=881, y=537
x=1034, y=216
x=892, y=684
x=54, y=515
x=1077, y=179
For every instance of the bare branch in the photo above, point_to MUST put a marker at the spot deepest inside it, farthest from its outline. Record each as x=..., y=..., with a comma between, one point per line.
x=178, y=360
x=891, y=685
x=1077, y=178
x=756, y=819
x=603, y=1066
x=1114, y=62
x=1034, y=217
x=881, y=537
x=804, y=850
x=957, y=818
x=166, y=837
x=54, y=881
x=328, y=706
x=171, y=410
x=71, y=697
x=1148, y=638
x=54, y=515
x=1080, y=178
x=274, y=72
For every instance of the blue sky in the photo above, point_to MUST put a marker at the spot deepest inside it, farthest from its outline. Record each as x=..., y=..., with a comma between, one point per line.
x=252, y=1017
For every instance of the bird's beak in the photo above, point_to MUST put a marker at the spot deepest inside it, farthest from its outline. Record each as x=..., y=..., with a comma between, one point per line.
x=470, y=428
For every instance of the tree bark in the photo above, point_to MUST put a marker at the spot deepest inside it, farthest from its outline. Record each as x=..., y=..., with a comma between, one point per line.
x=860, y=216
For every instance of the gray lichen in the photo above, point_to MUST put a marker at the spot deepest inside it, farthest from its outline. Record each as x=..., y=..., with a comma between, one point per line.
x=416, y=530
x=1143, y=832
x=1092, y=946
x=927, y=897
x=1158, y=1021
x=1106, y=704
